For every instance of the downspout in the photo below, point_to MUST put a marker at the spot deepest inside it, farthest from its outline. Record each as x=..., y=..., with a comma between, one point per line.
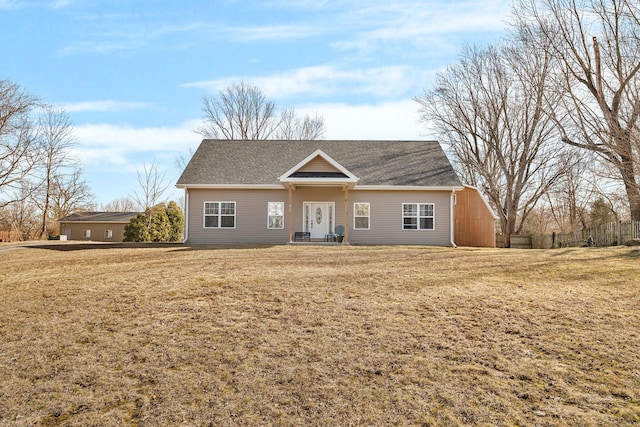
x=452, y=219
x=186, y=215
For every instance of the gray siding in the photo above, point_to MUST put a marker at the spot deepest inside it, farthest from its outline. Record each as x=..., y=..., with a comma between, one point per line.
x=385, y=215
x=251, y=217
x=97, y=231
x=385, y=220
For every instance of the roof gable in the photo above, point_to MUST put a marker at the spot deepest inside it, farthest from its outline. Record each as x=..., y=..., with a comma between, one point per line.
x=374, y=163
x=318, y=167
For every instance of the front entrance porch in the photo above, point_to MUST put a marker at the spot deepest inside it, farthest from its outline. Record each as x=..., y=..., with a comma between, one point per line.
x=319, y=171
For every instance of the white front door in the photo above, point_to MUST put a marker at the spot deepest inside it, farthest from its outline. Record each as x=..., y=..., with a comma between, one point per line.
x=318, y=220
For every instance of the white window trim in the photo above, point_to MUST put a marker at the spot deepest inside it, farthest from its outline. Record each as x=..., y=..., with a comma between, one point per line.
x=269, y=216
x=108, y=234
x=86, y=233
x=358, y=216
x=219, y=227
x=418, y=217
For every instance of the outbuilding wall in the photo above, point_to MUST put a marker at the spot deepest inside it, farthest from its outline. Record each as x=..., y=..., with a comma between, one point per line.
x=475, y=223
x=75, y=231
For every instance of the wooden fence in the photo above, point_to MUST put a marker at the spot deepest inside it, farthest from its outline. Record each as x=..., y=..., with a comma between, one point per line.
x=9, y=236
x=609, y=234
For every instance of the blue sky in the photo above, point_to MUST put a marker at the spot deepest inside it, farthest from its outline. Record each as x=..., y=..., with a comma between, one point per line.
x=131, y=74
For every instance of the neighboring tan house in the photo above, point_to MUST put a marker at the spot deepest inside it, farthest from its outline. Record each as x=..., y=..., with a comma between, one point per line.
x=275, y=192
x=96, y=226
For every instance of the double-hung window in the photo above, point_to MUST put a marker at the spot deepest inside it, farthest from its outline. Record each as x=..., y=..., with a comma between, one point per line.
x=418, y=216
x=361, y=216
x=275, y=215
x=219, y=214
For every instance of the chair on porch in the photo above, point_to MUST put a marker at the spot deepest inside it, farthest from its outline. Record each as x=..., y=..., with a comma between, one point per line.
x=336, y=236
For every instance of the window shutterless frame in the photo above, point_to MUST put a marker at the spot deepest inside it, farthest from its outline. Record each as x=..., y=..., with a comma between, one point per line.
x=418, y=216
x=219, y=215
x=275, y=215
x=361, y=216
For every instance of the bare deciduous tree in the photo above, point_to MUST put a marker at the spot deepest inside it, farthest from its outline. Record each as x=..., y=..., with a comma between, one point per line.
x=241, y=111
x=596, y=46
x=152, y=185
x=19, y=152
x=69, y=193
x=123, y=204
x=489, y=110
x=568, y=200
x=293, y=127
x=22, y=214
x=56, y=133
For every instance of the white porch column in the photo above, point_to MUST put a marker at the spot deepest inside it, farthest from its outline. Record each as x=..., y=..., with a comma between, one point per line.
x=289, y=222
x=346, y=214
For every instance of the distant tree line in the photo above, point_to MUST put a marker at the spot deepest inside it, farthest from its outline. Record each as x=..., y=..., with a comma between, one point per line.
x=546, y=122
x=40, y=179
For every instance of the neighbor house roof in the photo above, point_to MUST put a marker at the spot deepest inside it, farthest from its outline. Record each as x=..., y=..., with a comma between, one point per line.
x=374, y=163
x=123, y=217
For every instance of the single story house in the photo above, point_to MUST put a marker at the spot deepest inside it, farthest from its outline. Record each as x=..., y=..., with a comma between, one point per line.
x=96, y=226
x=362, y=192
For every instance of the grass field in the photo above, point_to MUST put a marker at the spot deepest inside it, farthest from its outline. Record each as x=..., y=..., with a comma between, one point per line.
x=281, y=336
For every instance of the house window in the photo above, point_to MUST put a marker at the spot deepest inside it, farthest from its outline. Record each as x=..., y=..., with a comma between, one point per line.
x=219, y=214
x=418, y=216
x=86, y=234
x=361, y=216
x=108, y=234
x=275, y=214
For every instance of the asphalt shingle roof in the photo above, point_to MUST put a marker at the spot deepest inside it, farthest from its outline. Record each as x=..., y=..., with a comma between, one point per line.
x=404, y=163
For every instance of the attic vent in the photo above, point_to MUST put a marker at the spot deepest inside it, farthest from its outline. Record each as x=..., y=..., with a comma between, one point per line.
x=318, y=175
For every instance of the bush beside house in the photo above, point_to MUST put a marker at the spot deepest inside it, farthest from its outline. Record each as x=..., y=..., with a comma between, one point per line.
x=160, y=223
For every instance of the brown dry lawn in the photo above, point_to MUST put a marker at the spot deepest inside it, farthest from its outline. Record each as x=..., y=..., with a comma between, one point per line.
x=280, y=336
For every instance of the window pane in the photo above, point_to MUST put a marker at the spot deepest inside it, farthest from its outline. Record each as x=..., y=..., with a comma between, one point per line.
x=211, y=208
x=227, y=208
x=361, y=209
x=276, y=222
x=410, y=223
x=362, y=222
x=276, y=208
x=211, y=221
x=410, y=209
x=426, y=210
x=227, y=221
x=426, y=223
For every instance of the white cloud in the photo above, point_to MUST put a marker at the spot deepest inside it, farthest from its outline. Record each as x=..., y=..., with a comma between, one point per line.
x=275, y=32
x=327, y=80
x=113, y=155
x=394, y=120
x=102, y=106
x=10, y=4
x=420, y=24
x=118, y=145
x=126, y=37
